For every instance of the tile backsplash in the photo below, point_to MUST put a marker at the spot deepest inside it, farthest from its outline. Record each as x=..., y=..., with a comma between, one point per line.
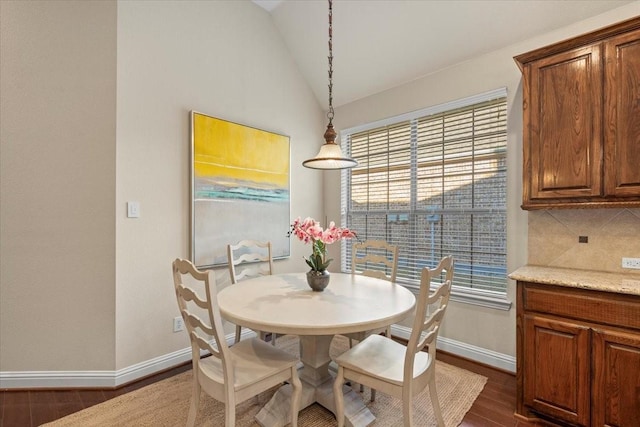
x=612, y=234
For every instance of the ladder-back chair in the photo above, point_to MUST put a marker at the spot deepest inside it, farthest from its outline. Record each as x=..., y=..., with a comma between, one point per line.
x=393, y=368
x=247, y=259
x=230, y=374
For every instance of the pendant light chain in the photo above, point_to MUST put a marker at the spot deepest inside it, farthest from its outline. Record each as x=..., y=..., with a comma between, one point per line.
x=330, y=112
x=330, y=155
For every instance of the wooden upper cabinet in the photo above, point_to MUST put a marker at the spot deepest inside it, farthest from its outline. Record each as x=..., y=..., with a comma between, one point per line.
x=565, y=121
x=581, y=124
x=622, y=120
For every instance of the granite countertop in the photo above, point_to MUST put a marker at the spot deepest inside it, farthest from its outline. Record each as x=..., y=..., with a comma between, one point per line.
x=623, y=283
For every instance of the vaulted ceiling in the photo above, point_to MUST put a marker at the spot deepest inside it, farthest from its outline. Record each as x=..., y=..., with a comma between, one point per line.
x=380, y=44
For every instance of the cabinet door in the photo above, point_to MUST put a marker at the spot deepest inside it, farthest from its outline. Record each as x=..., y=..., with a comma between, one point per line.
x=616, y=380
x=622, y=115
x=557, y=370
x=565, y=125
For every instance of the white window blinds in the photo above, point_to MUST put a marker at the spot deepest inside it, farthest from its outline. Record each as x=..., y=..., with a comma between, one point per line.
x=433, y=182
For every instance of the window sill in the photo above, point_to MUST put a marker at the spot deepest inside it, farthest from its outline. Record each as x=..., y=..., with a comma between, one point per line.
x=486, y=299
x=469, y=297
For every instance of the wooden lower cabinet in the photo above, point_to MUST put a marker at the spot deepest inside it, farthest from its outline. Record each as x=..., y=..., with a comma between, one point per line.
x=557, y=373
x=616, y=378
x=578, y=356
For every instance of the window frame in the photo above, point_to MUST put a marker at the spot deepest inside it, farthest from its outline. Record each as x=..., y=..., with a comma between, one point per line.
x=482, y=297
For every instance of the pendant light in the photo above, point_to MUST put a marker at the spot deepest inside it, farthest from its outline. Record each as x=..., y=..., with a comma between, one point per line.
x=330, y=155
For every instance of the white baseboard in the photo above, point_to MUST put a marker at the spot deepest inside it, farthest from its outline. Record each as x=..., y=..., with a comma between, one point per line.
x=101, y=379
x=468, y=351
x=106, y=379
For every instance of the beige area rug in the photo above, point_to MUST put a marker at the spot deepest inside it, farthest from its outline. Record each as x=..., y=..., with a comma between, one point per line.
x=166, y=403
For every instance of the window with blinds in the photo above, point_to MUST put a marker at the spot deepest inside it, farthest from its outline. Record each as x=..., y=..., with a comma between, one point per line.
x=433, y=183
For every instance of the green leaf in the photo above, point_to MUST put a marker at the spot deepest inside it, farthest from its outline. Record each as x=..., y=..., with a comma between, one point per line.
x=317, y=262
x=325, y=265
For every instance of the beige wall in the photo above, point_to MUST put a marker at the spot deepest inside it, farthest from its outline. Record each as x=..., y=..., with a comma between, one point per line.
x=57, y=185
x=83, y=287
x=486, y=328
x=224, y=59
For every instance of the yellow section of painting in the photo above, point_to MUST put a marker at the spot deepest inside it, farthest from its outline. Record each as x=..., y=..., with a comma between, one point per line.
x=224, y=149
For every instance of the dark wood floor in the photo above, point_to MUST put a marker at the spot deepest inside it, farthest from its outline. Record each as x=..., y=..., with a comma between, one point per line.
x=496, y=403
x=494, y=406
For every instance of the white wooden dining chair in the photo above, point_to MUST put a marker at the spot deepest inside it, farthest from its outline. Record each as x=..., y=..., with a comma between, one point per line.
x=379, y=259
x=374, y=258
x=393, y=368
x=247, y=259
x=230, y=374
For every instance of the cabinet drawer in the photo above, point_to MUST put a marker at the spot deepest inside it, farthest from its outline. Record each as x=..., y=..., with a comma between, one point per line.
x=587, y=305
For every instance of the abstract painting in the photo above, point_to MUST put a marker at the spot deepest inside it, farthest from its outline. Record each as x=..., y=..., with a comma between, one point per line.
x=240, y=188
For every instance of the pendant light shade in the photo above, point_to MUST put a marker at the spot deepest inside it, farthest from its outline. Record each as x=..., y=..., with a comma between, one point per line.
x=330, y=154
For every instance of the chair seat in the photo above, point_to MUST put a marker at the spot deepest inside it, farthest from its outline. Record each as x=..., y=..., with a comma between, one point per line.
x=254, y=360
x=382, y=358
x=360, y=336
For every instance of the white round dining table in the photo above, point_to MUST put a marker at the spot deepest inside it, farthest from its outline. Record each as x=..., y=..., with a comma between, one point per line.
x=285, y=304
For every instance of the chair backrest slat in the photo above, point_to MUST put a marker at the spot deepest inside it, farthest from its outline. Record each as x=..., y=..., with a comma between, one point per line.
x=189, y=295
x=196, y=322
x=430, y=328
x=375, y=258
x=249, y=258
x=205, y=345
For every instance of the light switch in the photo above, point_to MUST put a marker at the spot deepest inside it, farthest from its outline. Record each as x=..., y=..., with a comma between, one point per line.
x=133, y=209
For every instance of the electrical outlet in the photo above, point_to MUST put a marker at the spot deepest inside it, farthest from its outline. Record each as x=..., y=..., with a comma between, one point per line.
x=178, y=324
x=633, y=263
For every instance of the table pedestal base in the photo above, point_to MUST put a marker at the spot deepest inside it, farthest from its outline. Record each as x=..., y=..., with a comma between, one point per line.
x=317, y=387
x=277, y=412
